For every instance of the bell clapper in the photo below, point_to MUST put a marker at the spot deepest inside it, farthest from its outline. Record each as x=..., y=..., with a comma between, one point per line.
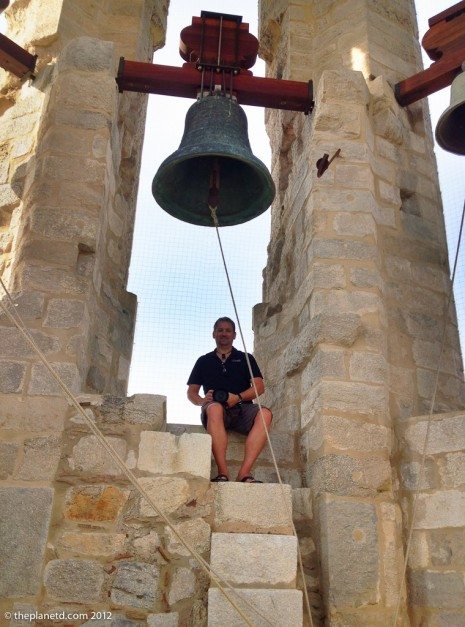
x=214, y=190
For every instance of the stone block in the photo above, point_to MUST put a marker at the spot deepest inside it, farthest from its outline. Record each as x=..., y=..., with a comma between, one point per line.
x=182, y=585
x=361, y=399
x=146, y=547
x=446, y=547
x=344, y=475
x=11, y=376
x=8, y=451
x=96, y=95
x=163, y=620
x=349, y=551
x=54, y=279
x=365, y=277
x=252, y=508
x=342, y=249
x=146, y=409
x=453, y=469
x=357, y=225
x=445, y=435
x=279, y=607
x=367, y=367
x=326, y=362
x=29, y=305
x=339, y=119
x=443, y=508
x=33, y=413
x=116, y=620
x=14, y=345
x=42, y=382
x=62, y=253
x=346, y=434
x=164, y=453
x=450, y=619
x=411, y=472
x=95, y=503
x=302, y=504
x=339, y=329
x=283, y=447
x=24, y=521
x=23, y=619
x=74, y=580
x=342, y=85
x=168, y=493
x=64, y=314
x=92, y=544
x=90, y=457
x=195, y=532
x=329, y=276
x=55, y=223
x=136, y=584
x=87, y=54
x=439, y=589
x=41, y=458
x=247, y=559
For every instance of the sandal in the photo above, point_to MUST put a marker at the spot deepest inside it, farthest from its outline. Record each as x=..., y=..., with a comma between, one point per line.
x=220, y=478
x=249, y=479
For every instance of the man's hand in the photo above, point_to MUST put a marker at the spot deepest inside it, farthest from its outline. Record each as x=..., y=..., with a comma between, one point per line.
x=233, y=399
x=208, y=397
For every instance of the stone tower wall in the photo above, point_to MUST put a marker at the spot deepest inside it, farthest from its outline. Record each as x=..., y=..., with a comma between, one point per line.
x=72, y=148
x=354, y=296
x=349, y=331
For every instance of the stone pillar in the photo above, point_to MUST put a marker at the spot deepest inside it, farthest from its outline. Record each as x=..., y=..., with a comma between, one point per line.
x=355, y=285
x=72, y=148
x=70, y=157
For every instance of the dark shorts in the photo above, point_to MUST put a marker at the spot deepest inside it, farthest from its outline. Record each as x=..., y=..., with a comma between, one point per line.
x=239, y=418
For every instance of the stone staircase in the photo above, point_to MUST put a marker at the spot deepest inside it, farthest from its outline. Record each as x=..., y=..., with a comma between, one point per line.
x=253, y=548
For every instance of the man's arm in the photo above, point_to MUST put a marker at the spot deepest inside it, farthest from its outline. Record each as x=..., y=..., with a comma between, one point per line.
x=194, y=396
x=249, y=393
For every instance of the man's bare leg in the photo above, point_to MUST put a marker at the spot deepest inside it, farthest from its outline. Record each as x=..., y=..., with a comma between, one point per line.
x=215, y=427
x=255, y=442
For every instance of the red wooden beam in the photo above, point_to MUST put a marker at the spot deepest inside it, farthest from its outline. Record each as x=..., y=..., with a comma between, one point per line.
x=200, y=42
x=15, y=59
x=439, y=75
x=444, y=42
x=185, y=82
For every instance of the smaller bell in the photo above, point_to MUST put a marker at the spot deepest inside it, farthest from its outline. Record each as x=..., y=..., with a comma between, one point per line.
x=214, y=166
x=450, y=129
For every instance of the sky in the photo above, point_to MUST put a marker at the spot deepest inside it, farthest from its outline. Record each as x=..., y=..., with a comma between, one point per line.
x=176, y=269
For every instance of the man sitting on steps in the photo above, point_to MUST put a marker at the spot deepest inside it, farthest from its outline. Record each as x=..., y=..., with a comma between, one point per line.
x=224, y=373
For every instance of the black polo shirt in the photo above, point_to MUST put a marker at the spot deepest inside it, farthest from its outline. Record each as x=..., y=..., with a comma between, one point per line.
x=232, y=376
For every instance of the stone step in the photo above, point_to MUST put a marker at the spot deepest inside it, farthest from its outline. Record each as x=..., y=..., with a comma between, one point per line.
x=263, y=560
x=280, y=607
x=252, y=508
x=162, y=453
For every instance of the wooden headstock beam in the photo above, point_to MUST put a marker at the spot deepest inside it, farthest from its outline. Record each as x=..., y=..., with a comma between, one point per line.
x=444, y=42
x=219, y=51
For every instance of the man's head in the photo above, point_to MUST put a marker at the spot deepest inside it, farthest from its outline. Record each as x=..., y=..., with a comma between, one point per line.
x=224, y=333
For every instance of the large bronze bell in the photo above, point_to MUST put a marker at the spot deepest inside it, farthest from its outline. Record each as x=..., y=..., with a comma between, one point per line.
x=450, y=129
x=214, y=166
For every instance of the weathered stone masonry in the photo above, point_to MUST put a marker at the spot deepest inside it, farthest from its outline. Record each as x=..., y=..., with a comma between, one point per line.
x=354, y=294
x=348, y=332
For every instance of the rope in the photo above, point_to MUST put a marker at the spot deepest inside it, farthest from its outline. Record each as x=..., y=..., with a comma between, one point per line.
x=16, y=319
x=275, y=463
x=428, y=425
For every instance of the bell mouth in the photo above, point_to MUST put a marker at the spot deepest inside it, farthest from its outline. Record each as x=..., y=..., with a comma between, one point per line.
x=245, y=192
x=450, y=129
x=214, y=146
